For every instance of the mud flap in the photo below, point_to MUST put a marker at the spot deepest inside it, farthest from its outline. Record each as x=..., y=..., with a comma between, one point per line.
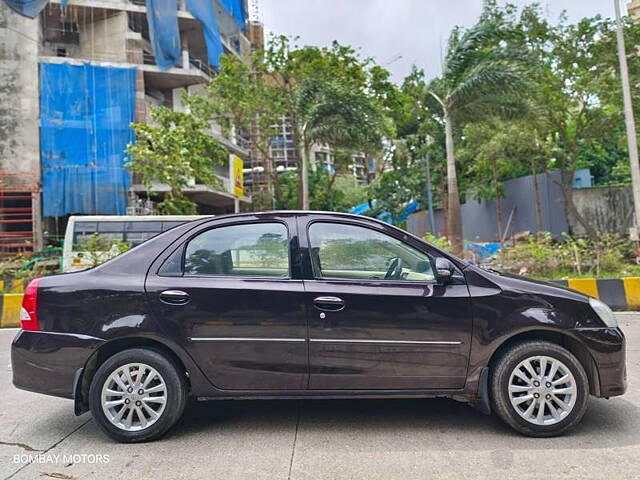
x=79, y=405
x=482, y=403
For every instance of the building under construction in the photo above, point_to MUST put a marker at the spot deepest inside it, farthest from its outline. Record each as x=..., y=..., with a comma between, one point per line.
x=75, y=76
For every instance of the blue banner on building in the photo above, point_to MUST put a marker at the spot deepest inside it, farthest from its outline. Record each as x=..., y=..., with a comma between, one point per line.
x=85, y=117
x=163, y=30
x=205, y=12
x=27, y=8
x=236, y=9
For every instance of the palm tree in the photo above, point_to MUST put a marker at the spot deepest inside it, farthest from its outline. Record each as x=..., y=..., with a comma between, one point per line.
x=482, y=76
x=337, y=115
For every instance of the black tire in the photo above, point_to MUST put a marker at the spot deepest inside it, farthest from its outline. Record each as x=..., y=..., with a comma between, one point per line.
x=176, y=394
x=499, y=386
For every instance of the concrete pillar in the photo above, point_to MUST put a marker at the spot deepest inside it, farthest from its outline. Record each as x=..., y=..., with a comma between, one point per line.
x=184, y=40
x=19, y=104
x=19, y=100
x=141, y=107
x=104, y=37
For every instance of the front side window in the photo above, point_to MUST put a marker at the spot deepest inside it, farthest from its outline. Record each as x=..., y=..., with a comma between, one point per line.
x=358, y=253
x=257, y=250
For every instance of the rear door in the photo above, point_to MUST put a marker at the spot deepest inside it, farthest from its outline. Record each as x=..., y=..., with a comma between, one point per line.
x=377, y=317
x=227, y=292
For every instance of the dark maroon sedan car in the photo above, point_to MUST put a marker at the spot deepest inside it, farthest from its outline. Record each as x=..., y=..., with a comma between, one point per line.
x=310, y=305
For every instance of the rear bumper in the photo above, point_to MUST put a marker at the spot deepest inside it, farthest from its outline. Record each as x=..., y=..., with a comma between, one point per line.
x=46, y=362
x=608, y=349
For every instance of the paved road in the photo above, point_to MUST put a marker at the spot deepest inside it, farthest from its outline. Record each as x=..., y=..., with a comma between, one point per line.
x=401, y=439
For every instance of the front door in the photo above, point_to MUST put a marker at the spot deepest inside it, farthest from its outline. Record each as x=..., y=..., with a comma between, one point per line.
x=227, y=292
x=378, y=319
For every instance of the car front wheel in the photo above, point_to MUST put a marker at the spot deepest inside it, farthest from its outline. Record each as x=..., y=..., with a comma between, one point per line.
x=137, y=395
x=539, y=388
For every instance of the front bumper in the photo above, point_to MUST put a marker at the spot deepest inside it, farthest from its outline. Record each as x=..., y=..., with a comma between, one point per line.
x=47, y=362
x=607, y=347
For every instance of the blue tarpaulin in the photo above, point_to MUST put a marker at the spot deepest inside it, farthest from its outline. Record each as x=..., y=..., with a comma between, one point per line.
x=85, y=117
x=27, y=8
x=483, y=250
x=236, y=9
x=163, y=30
x=385, y=216
x=205, y=12
x=363, y=207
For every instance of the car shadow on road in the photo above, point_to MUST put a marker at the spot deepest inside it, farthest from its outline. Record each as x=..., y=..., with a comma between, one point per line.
x=607, y=423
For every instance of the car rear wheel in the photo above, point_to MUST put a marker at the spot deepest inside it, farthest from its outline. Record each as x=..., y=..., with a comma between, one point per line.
x=539, y=388
x=137, y=395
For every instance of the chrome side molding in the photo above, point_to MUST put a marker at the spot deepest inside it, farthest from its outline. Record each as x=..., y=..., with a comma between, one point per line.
x=322, y=340
x=395, y=342
x=245, y=339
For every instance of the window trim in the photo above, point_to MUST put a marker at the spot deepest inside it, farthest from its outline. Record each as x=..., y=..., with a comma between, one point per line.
x=314, y=267
x=183, y=247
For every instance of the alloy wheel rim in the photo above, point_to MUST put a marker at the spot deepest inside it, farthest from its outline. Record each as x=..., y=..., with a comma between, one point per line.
x=542, y=390
x=134, y=397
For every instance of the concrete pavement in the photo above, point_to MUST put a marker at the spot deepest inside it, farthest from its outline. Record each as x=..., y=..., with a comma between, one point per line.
x=371, y=439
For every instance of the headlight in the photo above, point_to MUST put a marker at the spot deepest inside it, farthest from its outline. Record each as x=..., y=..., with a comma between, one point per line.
x=604, y=312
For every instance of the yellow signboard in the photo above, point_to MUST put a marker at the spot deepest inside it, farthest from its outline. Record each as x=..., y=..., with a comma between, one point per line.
x=238, y=176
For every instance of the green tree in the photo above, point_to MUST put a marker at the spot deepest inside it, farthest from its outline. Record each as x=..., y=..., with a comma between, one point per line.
x=501, y=150
x=326, y=100
x=398, y=185
x=579, y=114
x=417, y=121
x=482, y=77
x=344, y=194
x=323, y=93
x=241, y=98
x=175, y=150
x=576, y=71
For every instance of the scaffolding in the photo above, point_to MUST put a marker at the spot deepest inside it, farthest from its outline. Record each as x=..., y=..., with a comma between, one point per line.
x=18, y=201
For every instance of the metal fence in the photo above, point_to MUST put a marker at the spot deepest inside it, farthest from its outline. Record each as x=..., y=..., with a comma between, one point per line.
x=479, y=217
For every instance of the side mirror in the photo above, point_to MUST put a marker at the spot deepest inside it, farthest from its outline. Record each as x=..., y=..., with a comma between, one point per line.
x=444, y=270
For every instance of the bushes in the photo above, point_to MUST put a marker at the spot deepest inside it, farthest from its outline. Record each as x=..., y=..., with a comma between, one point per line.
x=17, y=271
x=540, y=256
x=609, y=255
x=440, y=242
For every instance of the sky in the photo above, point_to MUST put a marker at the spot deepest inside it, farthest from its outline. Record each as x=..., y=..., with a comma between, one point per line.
x=416, y=30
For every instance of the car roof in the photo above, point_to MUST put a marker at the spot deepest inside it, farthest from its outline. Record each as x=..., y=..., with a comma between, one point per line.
x=327, y=214
x=302, y=212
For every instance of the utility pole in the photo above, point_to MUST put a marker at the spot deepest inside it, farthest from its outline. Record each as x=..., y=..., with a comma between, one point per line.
x=628, y=114
x=432, y=222
x=304, y=179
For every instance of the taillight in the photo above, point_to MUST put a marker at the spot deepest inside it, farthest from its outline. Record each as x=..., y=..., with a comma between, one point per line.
x=29, y=310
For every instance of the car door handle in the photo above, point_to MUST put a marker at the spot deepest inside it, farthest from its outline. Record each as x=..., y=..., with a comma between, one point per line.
x=174, y=297
x=332, y=304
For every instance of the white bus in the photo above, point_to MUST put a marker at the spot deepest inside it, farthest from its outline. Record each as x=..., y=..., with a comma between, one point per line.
x=113, y=228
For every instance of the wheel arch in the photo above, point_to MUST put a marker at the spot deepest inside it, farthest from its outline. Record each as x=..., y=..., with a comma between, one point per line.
x=558, y=337
x=85, y=375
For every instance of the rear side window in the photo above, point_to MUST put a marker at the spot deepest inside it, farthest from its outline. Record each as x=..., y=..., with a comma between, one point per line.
x=256, y=250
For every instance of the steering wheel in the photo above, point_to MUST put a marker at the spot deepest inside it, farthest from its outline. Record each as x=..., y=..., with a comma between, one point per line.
x=395, y=269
